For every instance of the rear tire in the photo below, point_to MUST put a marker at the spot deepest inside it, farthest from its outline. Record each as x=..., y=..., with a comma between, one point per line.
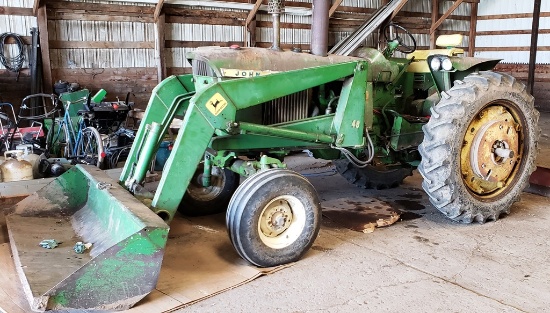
x=199, y=200
x=273, y=217
x=463, y=175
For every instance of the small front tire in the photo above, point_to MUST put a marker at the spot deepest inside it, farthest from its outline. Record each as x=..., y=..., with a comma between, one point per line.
x=273, y=217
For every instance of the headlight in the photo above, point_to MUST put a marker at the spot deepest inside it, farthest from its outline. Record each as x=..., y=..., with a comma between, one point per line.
x=435, y=64
x=446, y=64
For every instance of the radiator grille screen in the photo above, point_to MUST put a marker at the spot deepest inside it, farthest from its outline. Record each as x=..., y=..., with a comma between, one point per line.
x=288, y=108
x=200, y=68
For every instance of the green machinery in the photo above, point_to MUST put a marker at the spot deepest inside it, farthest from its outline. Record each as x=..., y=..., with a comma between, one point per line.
x=472, y=134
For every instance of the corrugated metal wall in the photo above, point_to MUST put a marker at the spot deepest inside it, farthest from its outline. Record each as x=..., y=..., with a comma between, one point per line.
x=133, y=68
x=75, y=30
x=502, y=16
x=78, y=30
x=101, y=31
x=199, y=32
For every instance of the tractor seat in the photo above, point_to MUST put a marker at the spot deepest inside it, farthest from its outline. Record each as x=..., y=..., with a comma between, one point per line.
x=419, y=65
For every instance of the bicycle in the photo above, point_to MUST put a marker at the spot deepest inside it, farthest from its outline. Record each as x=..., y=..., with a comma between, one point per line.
x=82, y=142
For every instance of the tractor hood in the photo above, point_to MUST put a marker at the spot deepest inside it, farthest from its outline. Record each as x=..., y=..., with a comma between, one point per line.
x=249, y=62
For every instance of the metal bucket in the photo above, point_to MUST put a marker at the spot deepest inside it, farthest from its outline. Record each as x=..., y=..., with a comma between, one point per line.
x=85, y=205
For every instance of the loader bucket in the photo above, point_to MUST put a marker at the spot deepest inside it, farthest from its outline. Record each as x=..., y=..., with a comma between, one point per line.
x=85, y=205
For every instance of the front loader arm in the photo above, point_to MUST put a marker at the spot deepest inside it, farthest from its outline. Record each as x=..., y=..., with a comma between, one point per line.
x=212, y=108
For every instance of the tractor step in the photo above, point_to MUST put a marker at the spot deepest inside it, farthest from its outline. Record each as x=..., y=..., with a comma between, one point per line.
x=85, y=205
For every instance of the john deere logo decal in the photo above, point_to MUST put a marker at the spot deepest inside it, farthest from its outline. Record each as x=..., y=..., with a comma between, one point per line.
x=216, y=104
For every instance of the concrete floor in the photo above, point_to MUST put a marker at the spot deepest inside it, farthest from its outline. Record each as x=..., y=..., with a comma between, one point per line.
x=423, y=263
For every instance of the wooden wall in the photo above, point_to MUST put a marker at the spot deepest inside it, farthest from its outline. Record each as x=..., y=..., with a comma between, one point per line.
x=127, y=47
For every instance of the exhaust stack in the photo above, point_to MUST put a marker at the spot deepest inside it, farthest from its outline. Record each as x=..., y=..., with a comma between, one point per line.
x=275, y=8
x=319, y=27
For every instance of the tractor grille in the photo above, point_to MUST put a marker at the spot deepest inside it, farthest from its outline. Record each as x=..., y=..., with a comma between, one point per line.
x=288, y=108
x=200, y=68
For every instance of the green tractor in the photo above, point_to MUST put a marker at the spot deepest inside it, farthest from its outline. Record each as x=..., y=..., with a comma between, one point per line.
x=472, y=134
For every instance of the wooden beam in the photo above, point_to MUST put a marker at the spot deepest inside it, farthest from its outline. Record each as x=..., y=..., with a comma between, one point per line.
x=441, y=19
x=16, y=11
x=35, y=6
x=473, y=30
x=334, y=6
x=196, y=44
x=192, y=12
x=533, y=50
x=252, y=13
x=493, y=49
x=158, y=9
x=399, y=7
x=64, y=44
x=511, y=32
x=42, y=20
x=56, y=15
x=160, y=46
x=510, y=16
x=27, y=40
x=435, y=17
x=98, y=8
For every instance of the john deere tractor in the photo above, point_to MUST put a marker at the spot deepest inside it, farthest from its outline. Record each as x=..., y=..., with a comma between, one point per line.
x=471, y=133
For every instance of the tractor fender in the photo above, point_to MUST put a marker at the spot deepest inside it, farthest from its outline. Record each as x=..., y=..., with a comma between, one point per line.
x=462, y=64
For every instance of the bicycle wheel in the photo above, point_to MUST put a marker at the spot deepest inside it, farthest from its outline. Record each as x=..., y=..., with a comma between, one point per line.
x=90, y=147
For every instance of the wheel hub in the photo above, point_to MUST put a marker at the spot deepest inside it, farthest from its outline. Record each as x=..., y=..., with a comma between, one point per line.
x=198, y=191
x=491, y=150
x=276, y=218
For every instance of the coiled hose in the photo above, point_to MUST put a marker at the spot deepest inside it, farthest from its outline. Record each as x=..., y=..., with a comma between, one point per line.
x=15, y=63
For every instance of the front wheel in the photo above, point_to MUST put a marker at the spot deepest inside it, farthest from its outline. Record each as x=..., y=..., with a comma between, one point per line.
x=199, y=200
x=89, y=148
x=479, y=147
x=273, y=217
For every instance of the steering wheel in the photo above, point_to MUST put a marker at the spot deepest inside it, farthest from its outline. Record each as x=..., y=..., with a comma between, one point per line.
x=394, y=32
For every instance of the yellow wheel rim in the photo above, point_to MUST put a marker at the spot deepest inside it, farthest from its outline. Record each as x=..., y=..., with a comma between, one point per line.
x=491, y=151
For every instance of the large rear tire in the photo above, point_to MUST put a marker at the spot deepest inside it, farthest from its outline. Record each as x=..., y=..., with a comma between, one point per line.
x=479, y=147
x=273, y=217
x=371, y=177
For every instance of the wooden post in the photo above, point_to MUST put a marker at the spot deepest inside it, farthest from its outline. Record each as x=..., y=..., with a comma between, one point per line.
x=158, y=10
x=435, y=17
x=533, y=50
x=42, y=20
x=36, y=5
x=160, y=46
x=250, y=25
x=473, y=30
